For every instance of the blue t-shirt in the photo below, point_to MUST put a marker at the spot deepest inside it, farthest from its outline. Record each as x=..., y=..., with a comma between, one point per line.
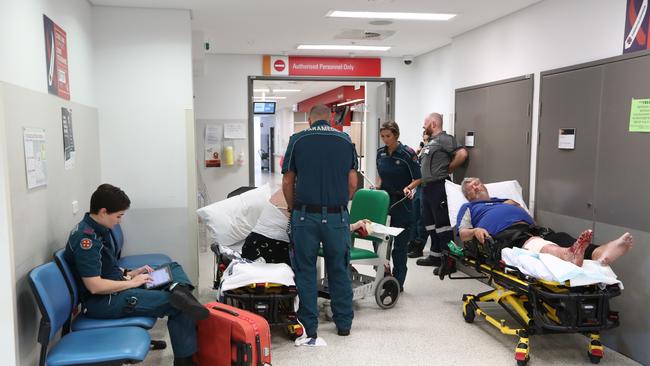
x=493, y=215
x=322, y=158
x=397, y=170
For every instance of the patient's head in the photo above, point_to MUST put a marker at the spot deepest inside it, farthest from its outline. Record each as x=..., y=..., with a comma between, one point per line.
x=474, y=190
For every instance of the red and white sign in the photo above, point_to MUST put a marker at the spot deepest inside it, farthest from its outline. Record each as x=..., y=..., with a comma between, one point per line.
x=56, y=59
x=322, y=66
x=278, y=65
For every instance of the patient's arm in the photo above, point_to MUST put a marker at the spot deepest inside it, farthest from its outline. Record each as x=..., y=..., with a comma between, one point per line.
x=512, y=202
x=288, y=186
x=101, y=286
x=478, y=232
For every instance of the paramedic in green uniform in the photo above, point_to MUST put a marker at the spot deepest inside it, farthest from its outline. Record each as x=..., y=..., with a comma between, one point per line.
x=319, y=178
x=399, y=173
x=108, y=291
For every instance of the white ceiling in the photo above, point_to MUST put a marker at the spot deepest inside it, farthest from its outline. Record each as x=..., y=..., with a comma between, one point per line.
x=278, y=26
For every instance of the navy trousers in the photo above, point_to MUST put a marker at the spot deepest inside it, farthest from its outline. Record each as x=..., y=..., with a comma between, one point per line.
x=308, y=231
x=154, y=303
x=435, y=216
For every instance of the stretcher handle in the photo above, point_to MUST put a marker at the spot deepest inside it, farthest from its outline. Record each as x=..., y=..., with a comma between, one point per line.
x=231, y=312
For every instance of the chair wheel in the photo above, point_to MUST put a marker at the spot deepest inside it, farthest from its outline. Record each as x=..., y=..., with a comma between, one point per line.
x=387, y=292
x=469, y=314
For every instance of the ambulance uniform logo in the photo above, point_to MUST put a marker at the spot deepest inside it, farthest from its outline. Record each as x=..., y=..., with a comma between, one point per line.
x=86, y=243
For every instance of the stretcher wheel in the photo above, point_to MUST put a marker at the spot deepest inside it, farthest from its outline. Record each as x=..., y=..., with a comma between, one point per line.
x=524, y=362
x=469, y=314
x=593, y=358
x=387, y=292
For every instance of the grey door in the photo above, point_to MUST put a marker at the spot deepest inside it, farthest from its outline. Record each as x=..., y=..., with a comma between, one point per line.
x=499, y=115
x=623, y=169
x=565, y=178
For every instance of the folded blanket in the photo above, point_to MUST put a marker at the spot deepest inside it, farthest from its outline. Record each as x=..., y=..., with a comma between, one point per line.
x=242, y=272
x=550, y=268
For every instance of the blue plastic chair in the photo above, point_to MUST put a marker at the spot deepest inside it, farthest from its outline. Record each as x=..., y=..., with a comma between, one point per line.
x=105, y=346
x=81, y=321
x=135, y=261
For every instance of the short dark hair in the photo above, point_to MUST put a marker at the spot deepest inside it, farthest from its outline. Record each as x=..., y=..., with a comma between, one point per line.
x=112, y=198
x=390, y=126
x=318, y=111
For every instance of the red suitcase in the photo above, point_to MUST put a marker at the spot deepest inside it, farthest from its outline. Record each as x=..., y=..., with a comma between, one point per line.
x=232, y=336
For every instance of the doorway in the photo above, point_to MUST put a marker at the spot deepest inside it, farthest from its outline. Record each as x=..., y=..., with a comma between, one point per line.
x=359, y=106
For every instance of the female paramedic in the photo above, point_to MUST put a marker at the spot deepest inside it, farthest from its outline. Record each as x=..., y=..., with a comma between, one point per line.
x=398, y=173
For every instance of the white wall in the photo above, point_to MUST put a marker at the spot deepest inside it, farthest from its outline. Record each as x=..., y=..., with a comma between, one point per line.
x=547, y=35
x=22, y=41
x=7, y=278
x=143, y=88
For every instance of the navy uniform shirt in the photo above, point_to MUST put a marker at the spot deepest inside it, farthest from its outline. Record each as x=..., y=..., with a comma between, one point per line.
x=436, y=156
x=322, y=158
x=90, y=252
x=397, y=170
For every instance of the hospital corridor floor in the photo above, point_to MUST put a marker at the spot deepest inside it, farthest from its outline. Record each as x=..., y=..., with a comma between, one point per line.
x=425, y=327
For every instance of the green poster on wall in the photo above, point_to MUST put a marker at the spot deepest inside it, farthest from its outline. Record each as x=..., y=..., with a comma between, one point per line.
x=640, y=115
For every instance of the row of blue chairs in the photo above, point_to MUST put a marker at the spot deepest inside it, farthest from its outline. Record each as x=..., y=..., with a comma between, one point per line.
x=84, y=340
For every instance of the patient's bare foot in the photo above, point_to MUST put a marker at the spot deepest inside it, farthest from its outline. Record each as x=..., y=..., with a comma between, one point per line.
x=577, y=250
x=607, y=253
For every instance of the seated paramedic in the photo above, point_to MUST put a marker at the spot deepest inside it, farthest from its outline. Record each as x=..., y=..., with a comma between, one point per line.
x=505, y=220
x=108, y=291
x=269, y=238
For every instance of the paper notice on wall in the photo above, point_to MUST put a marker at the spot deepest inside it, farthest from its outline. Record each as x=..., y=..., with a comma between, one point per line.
x=234, y=131
x=35, y=163
x=566, y=139
x=68, y=138
x=640, y=115
x=212, y=143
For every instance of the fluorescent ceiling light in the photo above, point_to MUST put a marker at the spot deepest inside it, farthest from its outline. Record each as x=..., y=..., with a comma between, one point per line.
x=350, y=102
x=265, y=98
x=277, y=90
x=342, y=47
x=388, y=15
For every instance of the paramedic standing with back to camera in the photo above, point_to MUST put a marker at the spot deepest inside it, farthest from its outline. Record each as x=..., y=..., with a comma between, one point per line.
x=319, y=178
x=440, y=157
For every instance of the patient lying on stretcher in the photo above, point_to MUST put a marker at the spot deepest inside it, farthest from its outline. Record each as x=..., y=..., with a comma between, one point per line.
x=504, y=220
x=269, y=238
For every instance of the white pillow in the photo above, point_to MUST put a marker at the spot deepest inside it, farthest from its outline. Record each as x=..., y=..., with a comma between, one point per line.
x=509, y=189
x=231, y=220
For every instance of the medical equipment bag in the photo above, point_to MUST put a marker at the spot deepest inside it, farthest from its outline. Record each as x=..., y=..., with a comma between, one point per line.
x=232, y=336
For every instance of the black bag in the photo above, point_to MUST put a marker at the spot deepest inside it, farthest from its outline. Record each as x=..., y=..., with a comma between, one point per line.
x=272, y=250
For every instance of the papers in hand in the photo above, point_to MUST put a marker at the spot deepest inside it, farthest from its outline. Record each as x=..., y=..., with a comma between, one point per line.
x=376, y=228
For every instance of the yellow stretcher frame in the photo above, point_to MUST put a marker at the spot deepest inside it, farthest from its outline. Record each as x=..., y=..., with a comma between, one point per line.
x=514, y=294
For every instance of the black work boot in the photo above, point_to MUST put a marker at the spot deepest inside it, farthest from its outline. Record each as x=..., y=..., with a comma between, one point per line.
x=429, y=261
x=416, y=248
x=183, y=361
x=182, y=299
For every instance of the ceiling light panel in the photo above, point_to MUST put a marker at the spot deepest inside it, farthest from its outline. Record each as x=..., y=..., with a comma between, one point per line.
x=342, y=47
x=388, y=15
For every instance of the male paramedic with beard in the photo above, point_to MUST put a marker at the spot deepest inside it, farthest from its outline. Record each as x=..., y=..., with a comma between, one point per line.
x=319, y=178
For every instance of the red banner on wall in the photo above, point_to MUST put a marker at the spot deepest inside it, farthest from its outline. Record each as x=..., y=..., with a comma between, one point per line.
x=56, y=59
x=321, y=66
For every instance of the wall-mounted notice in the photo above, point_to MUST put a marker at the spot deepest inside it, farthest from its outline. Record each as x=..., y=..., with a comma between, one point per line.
x=469, y=139
x=56, y=59
x=68, y=138
x=566, y=139
x=636, y=26
x=640, y=115
x=212, y=145
x=35, y=164
x=234, y=131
